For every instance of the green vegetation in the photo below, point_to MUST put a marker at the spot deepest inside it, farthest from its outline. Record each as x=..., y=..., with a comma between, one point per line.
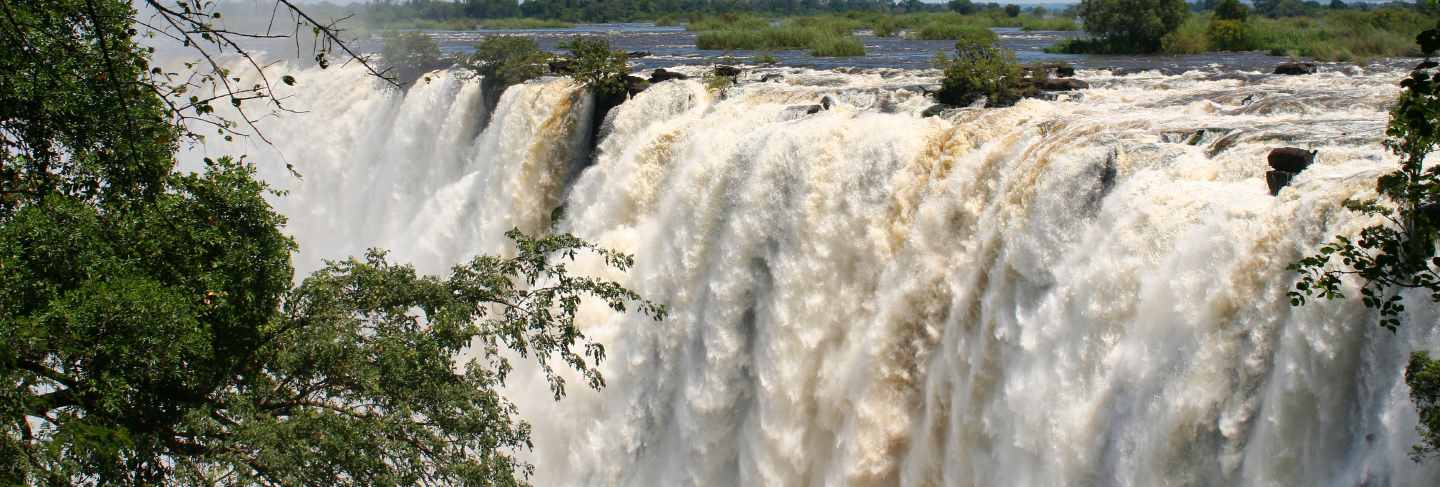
x=409, y=55
x=957, y=32
x=1398, y=253
x=153, y=331
x=837, y=47
x=1334, y=35
x=466, y=24
x=980, y=70
x=596, y=66
x=1132, y=25
x=504, y=61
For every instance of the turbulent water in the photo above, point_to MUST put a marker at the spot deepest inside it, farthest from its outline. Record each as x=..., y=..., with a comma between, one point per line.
x=1081, y=291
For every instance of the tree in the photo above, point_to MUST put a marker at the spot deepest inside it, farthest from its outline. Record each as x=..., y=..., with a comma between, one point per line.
x=504, y=61
x=980, y=70
x=1133, y=25
x=407, y=56
x=1399, y=252
x=1231, y=10
x=153, y=333
x=596, y=66
x=1012, y=10
x=963, y=7
x=1338, y=5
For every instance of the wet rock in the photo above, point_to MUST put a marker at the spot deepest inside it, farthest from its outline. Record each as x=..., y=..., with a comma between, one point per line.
x=814, y=109
x=1291, y=159
x=1062, y=84
x=772, y=77
x=1295, y=68
x=639, y=54
x=561, y=66
x=827, y=102
x=727, y=71
x=1277, y=180
x=1065, y=71
x=933, y=111
x=635, y=84
x=661, y=75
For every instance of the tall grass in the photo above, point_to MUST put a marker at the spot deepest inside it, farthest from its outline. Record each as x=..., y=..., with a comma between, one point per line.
x=837, y=46
x=938, y=31
x=820, y=41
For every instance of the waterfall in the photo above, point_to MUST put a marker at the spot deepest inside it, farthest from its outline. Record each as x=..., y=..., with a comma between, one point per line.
x=1088, y=290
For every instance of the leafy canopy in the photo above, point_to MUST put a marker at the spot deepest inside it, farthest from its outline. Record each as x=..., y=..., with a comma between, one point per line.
x=153, y=333
x=980, y=70
x=1398, y=252
x=1132, y=25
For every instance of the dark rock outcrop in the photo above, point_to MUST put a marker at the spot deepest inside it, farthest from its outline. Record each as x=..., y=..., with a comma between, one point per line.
x=933, y=111
x=1285, y=164
x=661, y=74
x=1065, y=71
x=639, y=54
x=1061, y=84
x=1295, y=68
x=1291, y=159
x=561, y=66
x=775, y=77
x=827, y=102
x=727, y=71
x=635, y=84
x=814, y=109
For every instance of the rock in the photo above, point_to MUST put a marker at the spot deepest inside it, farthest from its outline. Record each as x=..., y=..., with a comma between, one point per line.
x=1065, y=71
x=1291, y=159
x=1295, y=68
x=639, y=54
x=814, y=109
x=776, y=77
x=635, y=84
x=662, y=75
x=560, y=66
x=1064, y=84
x=1277, y=180
x=827, y=102
x=727, y=71
x=933, y=111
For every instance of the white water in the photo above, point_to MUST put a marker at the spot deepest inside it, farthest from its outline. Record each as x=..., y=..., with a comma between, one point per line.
x=867, y=297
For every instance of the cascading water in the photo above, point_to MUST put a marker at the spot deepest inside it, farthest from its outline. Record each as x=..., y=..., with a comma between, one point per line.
x=1084, y=291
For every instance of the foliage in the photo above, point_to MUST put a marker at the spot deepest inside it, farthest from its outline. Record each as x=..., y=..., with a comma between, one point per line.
x=507, y=60
x=1012, y=10
x=1422, y=374
x=1229, y=35
x=979, y=70
x=594, y=65
x=957, y=32
x=1133, y=25
x=1190, y=38
x=845, y=46
x=1231, y=10
x=409, y=55
x=1398, y=252
x=153, y=336
x=785, y=37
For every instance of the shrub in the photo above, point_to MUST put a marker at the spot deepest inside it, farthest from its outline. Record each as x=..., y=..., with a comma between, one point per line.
x=845, y=46
x=885, y=27
x=1189, y=38
x=666, y=21
x=1032, y=23
x=1012, y=10
x=504, y=61
x=1231, y=10
x=1230, y=35
x=408, y=55
x=980, y=70
x=594, y=65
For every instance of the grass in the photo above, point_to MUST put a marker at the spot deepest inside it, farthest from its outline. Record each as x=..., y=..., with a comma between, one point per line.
x=819, y=40
x=840, y=46
x=938, y=31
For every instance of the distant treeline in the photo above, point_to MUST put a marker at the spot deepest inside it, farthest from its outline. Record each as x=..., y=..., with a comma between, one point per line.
x=385, y=11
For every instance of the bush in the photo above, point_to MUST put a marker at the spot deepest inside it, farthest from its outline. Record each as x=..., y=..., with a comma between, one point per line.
x=1133, y=25
x=504, y=61
x=885, y=27
x=1230, y=35
x=594, y=65
x=980, y=70
x=1032, y=23
x=1189, y=38
x=845, y=46
x=408, y=55
x=1231, y=10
